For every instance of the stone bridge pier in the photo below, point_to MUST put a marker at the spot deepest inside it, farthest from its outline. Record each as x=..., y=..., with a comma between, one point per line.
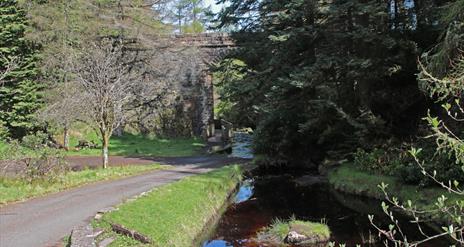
x=211, y=47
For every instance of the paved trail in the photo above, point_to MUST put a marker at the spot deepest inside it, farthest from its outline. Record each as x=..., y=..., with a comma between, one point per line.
x=44, y=221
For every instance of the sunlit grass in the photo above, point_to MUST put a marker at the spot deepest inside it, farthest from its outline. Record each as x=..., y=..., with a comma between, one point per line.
x=20, y=189
x=311, y=228
x=126, y=145
x=9, y=152
x=137, y=145
x=279, y=229
x=174, y=215
x=349, y=179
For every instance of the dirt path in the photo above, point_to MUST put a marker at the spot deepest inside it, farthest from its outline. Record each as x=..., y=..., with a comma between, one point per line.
x=44, y=221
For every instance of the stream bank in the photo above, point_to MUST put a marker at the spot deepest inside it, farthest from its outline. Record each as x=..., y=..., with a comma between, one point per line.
x=351, y=180
x=276, y=194
x=281, y=197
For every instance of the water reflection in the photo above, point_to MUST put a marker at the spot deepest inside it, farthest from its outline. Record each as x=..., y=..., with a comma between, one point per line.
x=260, y=201
x=217, y=243
x=245, y=192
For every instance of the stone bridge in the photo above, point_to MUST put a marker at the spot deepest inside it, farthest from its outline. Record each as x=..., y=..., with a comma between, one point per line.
x=199, y=96
x=205, y=40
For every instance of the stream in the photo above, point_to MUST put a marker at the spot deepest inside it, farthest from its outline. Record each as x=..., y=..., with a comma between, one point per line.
x=262, y=199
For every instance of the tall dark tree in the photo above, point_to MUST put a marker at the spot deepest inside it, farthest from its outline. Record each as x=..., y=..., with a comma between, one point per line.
x=318, y=72
x=20, y=95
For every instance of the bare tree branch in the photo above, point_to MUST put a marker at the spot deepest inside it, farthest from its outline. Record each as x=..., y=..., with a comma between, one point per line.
x=11, y=64
x=105, y=84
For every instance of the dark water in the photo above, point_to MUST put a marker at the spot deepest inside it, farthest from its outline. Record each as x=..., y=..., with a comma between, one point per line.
x=259, y=202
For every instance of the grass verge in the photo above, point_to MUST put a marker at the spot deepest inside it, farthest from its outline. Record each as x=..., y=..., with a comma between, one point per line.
x=349, y=179
x=15, y=189
x=137, y=145
x=127, y=145
x=174, y=214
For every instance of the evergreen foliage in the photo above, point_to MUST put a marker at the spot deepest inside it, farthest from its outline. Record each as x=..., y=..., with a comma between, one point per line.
x=443, y=79
x=318, y=74
x=186, y=16
x=20, y=94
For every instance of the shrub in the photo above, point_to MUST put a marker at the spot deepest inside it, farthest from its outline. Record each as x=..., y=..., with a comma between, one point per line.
x=34, y=141
x=371, y=161
x=3, y=130
x=12, y=151
x=40, y=162
x=380, y=160
x=46, y=163
x=446, y=169
x=397, y=162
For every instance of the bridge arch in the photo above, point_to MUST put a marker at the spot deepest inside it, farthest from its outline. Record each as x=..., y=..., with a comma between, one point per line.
x=200, y=101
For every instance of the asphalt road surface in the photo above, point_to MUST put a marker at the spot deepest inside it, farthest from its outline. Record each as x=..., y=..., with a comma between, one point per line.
x=46, y=220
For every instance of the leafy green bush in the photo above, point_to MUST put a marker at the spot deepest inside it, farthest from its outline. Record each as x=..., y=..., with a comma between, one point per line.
x=379, y=160
x=34, y=141
x=13, y=150
x=46, y=163
x=446, y=169
x=395, y=161
x=3, y=130
x=371, y=161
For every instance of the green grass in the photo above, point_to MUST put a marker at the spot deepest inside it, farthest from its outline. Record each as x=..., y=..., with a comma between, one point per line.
x=349, y=179
x=3, y=146
x=12, y=190
x=137, y=145
x=311, y=228
x=279, y=230
x=126, y=145
x=8, y=151
x=175, y=214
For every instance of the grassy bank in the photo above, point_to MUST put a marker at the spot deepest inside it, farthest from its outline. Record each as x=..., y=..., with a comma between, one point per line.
x=126, y=145
x=349, y=179
x=19, y=189
x=137, y=145
x=175, y=214
x=10, y=151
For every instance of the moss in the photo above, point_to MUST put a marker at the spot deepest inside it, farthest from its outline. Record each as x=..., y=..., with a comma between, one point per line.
x=279, y=229
x=277, y=232
x=308, y=228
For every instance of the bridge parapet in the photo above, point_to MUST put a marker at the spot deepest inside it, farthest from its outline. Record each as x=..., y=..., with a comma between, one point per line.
x=205, y=40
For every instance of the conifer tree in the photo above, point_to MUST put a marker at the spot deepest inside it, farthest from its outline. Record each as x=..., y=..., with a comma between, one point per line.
x=20, y=93
x=188, y=16
x=315, y=69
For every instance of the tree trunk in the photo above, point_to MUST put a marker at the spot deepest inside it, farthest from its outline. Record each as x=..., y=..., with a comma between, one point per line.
x=179, y=14
x=397, y=16
x=105, y=143
x=66, y=138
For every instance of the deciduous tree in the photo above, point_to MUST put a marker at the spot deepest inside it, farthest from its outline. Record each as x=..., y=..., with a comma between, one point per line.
x=106, y=83
x=442, y=77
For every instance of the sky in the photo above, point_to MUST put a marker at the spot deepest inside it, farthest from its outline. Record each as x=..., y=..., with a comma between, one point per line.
x=213, y=4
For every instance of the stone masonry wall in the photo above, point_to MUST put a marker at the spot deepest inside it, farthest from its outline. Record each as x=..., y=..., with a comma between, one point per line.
x=199, y=94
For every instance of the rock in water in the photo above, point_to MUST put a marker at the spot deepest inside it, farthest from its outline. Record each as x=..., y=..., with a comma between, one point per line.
x=294, y=232
x=295, y=238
